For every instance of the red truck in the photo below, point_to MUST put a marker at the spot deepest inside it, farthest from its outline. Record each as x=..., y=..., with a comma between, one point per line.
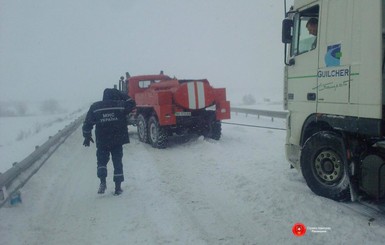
x=167, y=106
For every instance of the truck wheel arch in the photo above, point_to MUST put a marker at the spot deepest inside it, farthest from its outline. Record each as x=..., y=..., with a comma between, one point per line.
x=311, y=126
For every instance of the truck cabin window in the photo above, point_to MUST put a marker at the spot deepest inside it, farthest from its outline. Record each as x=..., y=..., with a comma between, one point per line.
x=145, y=83
x=305, y=31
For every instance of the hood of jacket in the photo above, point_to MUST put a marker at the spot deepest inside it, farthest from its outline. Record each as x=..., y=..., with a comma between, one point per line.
x=111, y=94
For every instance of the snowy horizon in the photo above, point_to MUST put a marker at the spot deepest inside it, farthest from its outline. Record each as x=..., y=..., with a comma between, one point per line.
x=72, y=50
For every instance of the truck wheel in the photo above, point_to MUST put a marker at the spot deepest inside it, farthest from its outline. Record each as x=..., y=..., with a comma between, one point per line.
x=324, y=166
x=214, y=130
x=142, y=129
x=158, y=136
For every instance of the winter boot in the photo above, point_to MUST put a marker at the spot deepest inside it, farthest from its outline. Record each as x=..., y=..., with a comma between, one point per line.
x=102, y=187
x=118, y=188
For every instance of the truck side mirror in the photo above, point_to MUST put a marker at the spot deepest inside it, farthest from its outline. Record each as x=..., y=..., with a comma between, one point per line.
x=287, y=27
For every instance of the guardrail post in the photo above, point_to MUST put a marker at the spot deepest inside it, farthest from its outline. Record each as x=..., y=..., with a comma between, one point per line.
x=3, y=193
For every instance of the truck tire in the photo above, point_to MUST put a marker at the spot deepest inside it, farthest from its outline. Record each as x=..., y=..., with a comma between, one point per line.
x=142, y=128
x=214, y=130
x=324, y=166
x=157, y=135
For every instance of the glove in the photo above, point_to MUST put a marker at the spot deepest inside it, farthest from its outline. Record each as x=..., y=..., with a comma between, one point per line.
x=87, y=141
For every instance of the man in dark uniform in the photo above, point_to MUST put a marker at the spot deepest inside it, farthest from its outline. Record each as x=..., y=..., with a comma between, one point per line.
x=111, y=132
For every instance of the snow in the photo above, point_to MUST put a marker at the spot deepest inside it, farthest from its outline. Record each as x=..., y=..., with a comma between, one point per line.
x=238, y=190
x=20, y=135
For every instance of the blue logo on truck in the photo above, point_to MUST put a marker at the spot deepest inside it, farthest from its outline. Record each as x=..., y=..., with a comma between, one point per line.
x=333, y=55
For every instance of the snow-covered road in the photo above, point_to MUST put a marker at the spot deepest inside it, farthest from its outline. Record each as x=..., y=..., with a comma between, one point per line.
x=238, y=190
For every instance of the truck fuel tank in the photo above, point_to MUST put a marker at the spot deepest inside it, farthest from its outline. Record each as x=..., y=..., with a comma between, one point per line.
x=194, y=95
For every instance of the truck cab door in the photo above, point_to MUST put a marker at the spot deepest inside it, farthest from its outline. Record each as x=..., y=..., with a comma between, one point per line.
x=302, y=66
x=300, y=82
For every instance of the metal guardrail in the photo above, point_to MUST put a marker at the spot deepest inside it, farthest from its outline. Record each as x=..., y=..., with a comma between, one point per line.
x=15, y=177
x=272, y=114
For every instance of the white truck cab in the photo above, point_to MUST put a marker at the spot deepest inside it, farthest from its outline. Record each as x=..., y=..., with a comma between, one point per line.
x=334, y=92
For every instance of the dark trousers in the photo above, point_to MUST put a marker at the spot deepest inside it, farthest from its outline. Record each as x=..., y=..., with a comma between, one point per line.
x=103, y=156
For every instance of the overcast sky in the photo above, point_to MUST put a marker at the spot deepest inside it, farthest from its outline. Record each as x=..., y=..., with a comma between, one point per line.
x=75, y=48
